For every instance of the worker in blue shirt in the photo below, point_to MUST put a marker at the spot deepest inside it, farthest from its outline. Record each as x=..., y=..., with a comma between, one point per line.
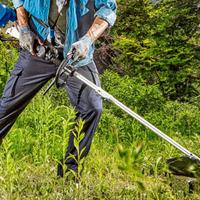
x=76, y=25
x=6, y=14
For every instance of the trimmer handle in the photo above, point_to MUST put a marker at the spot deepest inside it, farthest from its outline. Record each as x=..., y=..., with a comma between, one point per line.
x=65, y=67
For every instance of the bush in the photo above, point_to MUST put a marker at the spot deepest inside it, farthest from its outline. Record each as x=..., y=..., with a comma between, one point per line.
x=8, y=56
x=160, y=43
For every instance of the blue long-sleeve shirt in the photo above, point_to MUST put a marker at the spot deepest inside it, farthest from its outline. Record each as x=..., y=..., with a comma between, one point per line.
x=6, y=14
x=80, y=15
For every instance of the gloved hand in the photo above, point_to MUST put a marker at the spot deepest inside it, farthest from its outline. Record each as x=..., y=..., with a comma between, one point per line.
x=26, y=38
x=79, y=49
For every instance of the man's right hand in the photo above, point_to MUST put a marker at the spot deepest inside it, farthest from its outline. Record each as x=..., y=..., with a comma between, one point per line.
x=26, y=38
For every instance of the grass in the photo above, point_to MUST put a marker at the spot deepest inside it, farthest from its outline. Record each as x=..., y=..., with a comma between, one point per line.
x=118, y=166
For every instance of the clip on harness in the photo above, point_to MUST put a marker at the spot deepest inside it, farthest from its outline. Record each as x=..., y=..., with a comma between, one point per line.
x=52, y=28
x=51, y=51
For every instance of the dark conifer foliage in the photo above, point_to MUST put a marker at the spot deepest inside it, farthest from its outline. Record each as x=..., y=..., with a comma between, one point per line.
x=161, y=43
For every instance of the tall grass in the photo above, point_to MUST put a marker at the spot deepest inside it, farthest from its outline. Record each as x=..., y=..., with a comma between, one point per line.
x=126, y=160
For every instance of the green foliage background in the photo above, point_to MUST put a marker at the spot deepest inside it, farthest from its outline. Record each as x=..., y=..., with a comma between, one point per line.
x=160, y=43
x=155, y=71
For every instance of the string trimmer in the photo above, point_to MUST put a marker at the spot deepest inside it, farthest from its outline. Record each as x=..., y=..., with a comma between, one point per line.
x=185, y=165
x=188, y=165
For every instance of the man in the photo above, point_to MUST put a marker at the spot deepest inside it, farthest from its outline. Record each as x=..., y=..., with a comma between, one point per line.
x=6, y=14
x=76, y=24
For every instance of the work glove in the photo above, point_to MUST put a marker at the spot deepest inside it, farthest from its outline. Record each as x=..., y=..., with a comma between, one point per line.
x=26, y=38
x=80, y=49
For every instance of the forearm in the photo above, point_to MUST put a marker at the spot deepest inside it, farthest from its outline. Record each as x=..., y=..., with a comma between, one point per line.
x=96, y=30
x=22, y=16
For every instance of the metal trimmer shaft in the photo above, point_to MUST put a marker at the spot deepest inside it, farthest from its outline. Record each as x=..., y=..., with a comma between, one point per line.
x=109, y=97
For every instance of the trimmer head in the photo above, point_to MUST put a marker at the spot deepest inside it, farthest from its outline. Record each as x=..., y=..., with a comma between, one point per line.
x=184, y=166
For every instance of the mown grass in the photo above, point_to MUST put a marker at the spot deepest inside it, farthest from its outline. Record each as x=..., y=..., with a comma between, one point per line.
x=126, y=160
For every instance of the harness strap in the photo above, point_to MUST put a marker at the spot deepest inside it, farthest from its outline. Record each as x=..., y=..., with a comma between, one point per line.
x=52, y=32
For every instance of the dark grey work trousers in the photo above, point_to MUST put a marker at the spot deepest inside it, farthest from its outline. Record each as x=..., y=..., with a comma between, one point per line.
x=28, y=76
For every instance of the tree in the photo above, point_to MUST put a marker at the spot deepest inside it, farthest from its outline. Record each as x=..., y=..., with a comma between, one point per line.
x=159, y=43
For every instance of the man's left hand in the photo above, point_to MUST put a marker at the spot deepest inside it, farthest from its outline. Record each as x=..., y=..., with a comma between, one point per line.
x=79, y=49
